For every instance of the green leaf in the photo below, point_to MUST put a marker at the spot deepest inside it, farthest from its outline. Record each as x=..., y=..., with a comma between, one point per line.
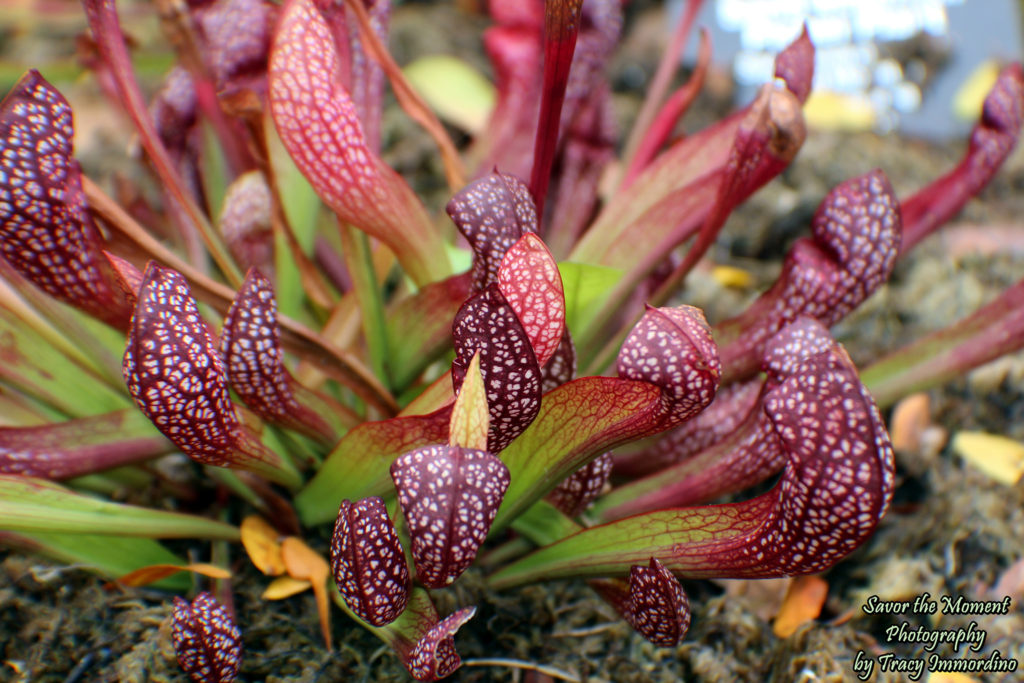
x=109, y=556
x=112, y=482
x=470, y=420
x=366, y=285
x=36, y=505
x=419, y=327
x=462, y=259
x=91, y=344
x=302, y=209
x=298, y=198
x=46, y=373
x=19, y=410
x=359, y=465
x=544, y=524
x=577, y=422
x=288, y=284
x=586, y=287
x=610, y=549
x=215, y=175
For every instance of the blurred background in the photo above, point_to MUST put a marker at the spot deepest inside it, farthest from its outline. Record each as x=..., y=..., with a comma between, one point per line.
x=917, y=66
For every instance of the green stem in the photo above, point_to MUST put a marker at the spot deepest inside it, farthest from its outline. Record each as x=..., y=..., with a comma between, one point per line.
x=544, y=524
x=987, y=334
x=359, y=259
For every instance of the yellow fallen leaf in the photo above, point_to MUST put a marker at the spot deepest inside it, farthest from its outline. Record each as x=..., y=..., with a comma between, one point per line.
x=910, y=418
x=284, y=587
x=730, y=276
x=456, y=91
x=971, y=94
x=260, y=542
x=997, y=456
x=302, y=562
x=470, y=420
x=803, y=603
x=835, y=111
x=144, y=576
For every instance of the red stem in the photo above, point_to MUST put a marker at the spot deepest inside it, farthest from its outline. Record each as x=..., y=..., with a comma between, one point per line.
x=669, y=115
x=106, y=29
x=661, y=80
x=561, y=27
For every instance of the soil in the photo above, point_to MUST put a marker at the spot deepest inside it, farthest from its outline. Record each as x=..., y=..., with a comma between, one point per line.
x=952, y=531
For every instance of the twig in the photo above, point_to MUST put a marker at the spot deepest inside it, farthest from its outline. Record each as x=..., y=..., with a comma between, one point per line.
x=589, y=631
x=526, y=666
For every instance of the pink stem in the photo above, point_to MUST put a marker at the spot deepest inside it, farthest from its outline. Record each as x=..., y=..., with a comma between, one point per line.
x=662, y=79
x=670, y=113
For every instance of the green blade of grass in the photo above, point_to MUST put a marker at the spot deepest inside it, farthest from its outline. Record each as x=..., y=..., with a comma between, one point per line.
x=108, y=556
x=40, y=506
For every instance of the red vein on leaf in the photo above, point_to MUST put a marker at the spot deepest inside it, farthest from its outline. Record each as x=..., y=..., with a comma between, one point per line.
x=46, y=231
x=449, y=497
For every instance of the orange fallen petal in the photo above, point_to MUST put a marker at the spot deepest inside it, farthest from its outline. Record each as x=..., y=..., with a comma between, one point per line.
x=260, y=541
x=910, y=418
x=844, y=617
x=154, y=572
x=302, y=562
x=323, y=607
x=284, y=587
x=1011, y=582
x=803, y=603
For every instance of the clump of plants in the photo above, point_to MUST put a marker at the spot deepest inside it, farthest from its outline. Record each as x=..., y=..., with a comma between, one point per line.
x=321, y=359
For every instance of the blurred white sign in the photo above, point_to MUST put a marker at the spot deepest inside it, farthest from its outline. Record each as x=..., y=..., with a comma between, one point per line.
x=900, y=61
